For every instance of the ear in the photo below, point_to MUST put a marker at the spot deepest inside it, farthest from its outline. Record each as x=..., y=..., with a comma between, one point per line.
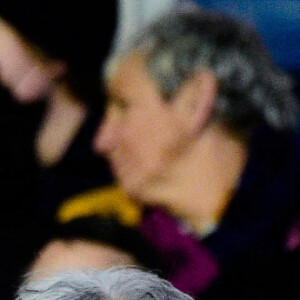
x=196, y=99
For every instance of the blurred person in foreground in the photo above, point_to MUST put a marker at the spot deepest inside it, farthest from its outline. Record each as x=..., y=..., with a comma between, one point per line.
x=50, y=54
x=52, y=51
x=94, y=242
x=199, y=128
x=114, y=284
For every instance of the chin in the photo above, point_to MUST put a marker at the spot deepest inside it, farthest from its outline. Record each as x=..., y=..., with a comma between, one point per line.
x=132, y=188
x=129, y=188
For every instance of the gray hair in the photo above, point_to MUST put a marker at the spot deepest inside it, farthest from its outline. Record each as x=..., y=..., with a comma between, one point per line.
x=118, y=283
x=187, y=40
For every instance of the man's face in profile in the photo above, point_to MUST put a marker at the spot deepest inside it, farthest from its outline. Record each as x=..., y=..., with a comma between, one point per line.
x=141, y=133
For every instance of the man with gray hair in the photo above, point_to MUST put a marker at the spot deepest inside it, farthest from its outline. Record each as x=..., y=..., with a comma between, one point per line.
x=200, y=125
x=92, y=284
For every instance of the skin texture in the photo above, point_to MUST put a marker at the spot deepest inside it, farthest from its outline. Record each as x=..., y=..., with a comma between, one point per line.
x=24, y=70
x=76, y=254
x=30, y=75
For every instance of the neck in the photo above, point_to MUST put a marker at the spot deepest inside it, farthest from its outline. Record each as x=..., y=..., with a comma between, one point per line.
x=201, y=183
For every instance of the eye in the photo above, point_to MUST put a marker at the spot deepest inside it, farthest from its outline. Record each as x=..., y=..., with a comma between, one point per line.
x=120, y=104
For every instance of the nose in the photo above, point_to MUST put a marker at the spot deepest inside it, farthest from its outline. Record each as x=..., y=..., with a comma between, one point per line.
x=105, y=138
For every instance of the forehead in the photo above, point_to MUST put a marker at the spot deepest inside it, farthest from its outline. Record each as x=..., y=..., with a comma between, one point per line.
x=131, y=79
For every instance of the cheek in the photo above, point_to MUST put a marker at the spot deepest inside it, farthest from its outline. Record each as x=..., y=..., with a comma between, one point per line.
x=149, y=143
x=133, y=153
x=152, y=149
x=167, y=144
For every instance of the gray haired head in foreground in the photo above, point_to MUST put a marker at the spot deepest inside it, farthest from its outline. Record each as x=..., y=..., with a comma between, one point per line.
x=112, y=284
x=187, y=40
